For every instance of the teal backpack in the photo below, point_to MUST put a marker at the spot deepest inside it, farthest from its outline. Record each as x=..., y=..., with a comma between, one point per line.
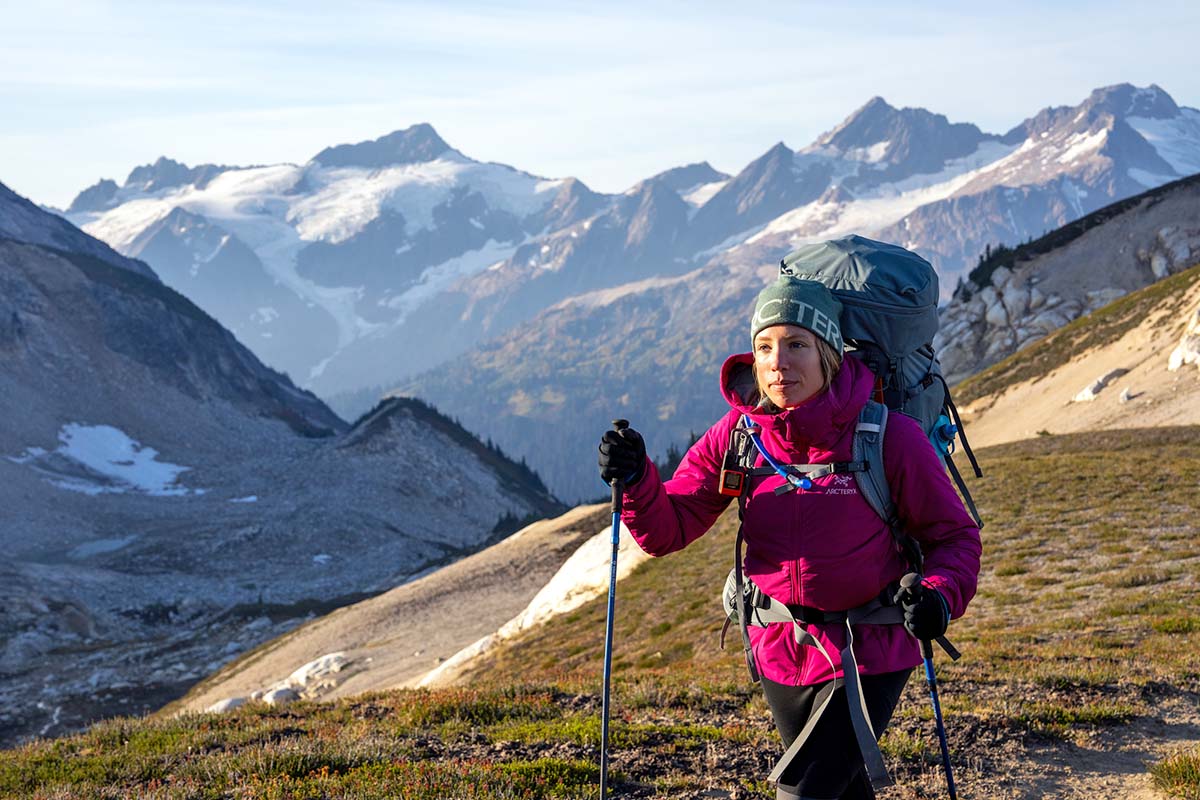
x=889, y=299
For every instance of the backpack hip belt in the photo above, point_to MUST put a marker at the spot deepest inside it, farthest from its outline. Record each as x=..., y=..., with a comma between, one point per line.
x=751, y=606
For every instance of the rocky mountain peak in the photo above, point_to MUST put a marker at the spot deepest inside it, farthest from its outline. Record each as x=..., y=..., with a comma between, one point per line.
x=96, y=197
x=681, y=179
x=901, y=140
x=863, y=127
x=166, y=173
x=775, y=162
x=1127, y=100
x=413, y=145
x=1104, y=108
x=163, y=172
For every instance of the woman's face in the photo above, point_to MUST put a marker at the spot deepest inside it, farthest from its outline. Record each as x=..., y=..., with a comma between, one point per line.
x=787, y=364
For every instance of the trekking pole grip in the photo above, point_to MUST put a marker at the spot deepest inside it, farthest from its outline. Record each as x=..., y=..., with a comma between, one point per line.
x=912, y=586
x=618, y=486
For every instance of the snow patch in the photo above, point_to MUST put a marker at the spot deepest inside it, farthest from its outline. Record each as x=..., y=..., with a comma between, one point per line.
x=604, y=297
x=100, y=546
x=440, y=277
x=1177, y=140
x=101, y=459
x=701, y=193
x=348, y=198
x=871, y=154
x=584, y=576
x=264, y=315
x=1081, y=144
x=1149, y=179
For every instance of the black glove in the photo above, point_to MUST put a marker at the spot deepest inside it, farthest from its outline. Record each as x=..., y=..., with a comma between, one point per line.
x=926, y=612
x=622, y=456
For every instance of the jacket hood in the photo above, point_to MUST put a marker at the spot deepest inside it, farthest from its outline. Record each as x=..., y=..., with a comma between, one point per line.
x=820, y=420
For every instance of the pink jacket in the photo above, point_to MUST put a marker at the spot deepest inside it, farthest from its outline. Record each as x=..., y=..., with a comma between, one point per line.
x=824, y=547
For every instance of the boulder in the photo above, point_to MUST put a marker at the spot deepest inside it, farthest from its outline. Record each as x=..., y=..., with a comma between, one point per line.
x=228, y=704
x=1159, y=265
x=1102, y=297
x=1090, y=392
x=280, y=697
x=1016, y=300
x=996, y=315
x=997, y=349
x=1037, y=298
x=1188, y=349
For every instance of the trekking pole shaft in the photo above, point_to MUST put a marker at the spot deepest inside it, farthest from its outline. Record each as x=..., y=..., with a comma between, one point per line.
x=931, y=680
x=608, y=640
x=618, y=495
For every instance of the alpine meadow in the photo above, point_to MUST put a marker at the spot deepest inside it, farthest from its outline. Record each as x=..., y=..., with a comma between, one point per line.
x=343, y=461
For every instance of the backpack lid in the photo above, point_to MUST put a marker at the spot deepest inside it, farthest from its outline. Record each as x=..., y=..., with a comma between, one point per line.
x=889, y=295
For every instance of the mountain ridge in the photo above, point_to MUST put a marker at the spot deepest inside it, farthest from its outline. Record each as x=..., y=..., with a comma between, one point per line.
x=171, y=501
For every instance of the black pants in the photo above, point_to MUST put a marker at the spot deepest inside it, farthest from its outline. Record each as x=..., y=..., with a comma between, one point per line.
x=829, y=765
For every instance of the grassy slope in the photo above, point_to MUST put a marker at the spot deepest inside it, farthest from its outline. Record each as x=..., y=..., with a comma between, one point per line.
x=1084, y=636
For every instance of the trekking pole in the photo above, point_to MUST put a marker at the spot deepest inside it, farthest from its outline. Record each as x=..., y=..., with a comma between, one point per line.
x=911, y=583
x=618, y=495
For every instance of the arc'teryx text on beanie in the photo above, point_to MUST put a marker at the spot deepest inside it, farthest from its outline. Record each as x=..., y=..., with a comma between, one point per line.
x=799, y=302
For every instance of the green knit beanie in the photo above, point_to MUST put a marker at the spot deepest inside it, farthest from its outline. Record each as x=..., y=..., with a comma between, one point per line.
x=799, y=302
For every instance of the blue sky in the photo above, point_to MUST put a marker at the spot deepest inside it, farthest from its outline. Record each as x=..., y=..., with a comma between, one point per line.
x=608, y=92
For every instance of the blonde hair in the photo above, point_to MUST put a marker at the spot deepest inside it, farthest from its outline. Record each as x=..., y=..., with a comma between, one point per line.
x=831, y=362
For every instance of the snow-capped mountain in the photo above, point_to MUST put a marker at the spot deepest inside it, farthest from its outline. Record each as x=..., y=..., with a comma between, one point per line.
x=342, y=264
x=169, y=501
x=654, y=347
x=300, y=261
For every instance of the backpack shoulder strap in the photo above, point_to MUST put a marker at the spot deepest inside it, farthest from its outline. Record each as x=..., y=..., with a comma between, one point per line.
x=868, y=447
x=873, y=481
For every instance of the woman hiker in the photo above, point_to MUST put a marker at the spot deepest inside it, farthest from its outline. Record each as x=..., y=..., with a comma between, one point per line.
x=821, y=549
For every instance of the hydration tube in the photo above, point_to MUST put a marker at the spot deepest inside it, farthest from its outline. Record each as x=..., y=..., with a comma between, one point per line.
x=798, y=481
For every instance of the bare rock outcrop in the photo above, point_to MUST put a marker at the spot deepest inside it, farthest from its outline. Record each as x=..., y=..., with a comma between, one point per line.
x=1145, y=243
